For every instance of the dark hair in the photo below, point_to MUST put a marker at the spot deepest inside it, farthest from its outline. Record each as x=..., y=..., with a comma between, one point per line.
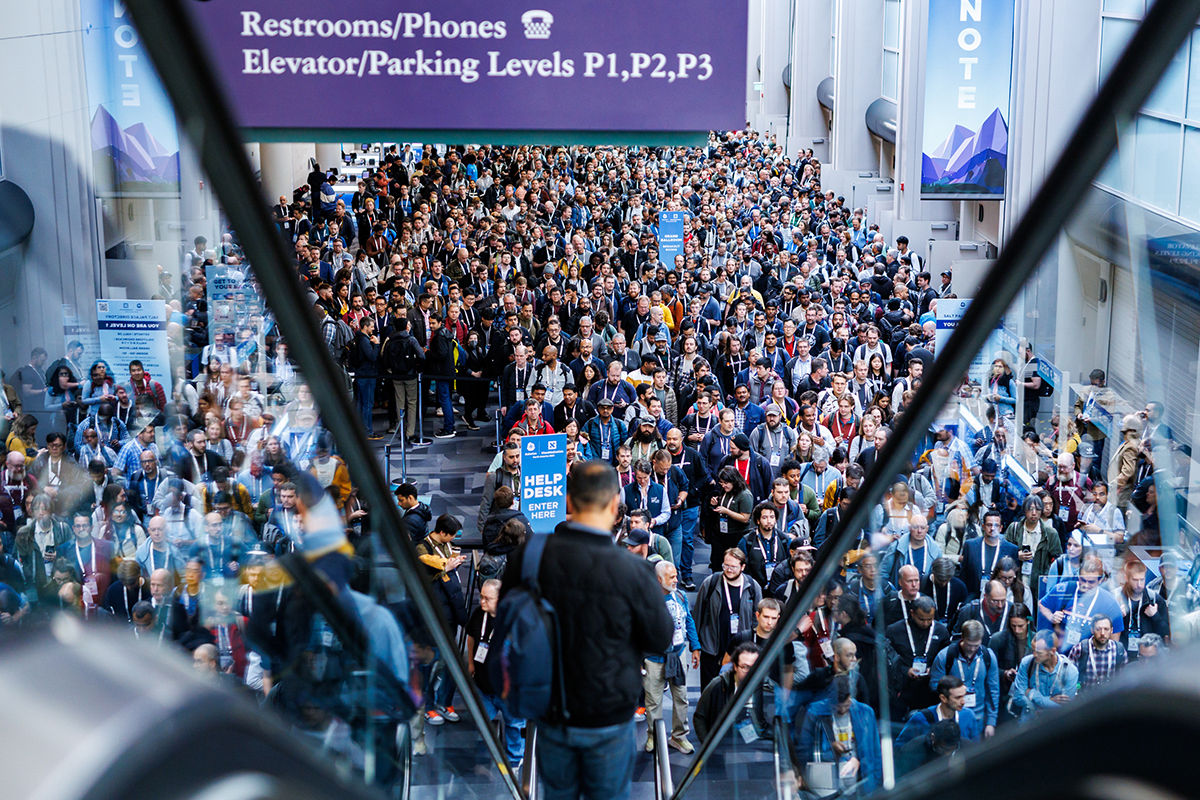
x=732, y=476
x=503, y=497
x=406, y=490
x=742, y=649
x=512, y=533
x=849, y=605
x=947, y=684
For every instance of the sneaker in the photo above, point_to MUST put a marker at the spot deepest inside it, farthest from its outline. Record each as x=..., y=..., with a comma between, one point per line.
x=374, y=436
x=687, y=586
x=449, y=713
x=391, y=430
x=650, y=743
x=682, y=745
x=482, y=417
x=432, y=717
x=471, y=426
x=640, y=714
x=418, y=747
x=439, y=411
x=444, y=434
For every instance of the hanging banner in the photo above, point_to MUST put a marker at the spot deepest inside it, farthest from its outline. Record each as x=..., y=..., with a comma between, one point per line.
x=134, y=330
x=627, y=65
x=968, y=67
x=670, y=235
x=544, y=481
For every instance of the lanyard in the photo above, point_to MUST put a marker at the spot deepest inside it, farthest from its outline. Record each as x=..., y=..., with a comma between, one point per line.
x=946, y=615
x=975, y=676
x=1095, y=597
x=1003, y=619
x=924, y=557
x=771, y=445
x=483, y=629
x=913, y=645
x=728, y=602
x=767, y=558
x=995, y=558
x=79, y=555
x=249, y=600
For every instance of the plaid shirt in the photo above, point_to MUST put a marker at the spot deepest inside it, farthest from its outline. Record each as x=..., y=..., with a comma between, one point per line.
x=1101, y=664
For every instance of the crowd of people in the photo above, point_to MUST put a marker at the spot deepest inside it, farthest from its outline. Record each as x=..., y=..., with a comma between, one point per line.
x=723, y=405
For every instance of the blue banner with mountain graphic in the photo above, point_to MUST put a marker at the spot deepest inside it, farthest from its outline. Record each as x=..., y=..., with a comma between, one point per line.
x=968, y=69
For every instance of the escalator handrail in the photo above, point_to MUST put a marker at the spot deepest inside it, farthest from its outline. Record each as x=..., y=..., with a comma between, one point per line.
x=1149, y=52
x=783, y=790
x=664, y=783
x=177, y=51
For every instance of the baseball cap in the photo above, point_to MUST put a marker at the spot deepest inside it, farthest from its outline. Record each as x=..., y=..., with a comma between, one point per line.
x=636, y=537
x=774, y=409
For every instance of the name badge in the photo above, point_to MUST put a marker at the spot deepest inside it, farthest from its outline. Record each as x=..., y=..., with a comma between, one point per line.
x=775, y=460
x=605, y=453
x=1133, y=643
x=826, y=648
x=327, y=638
x=481, y=651
x=983, y=582
x=1074, y=636
x=1027, y=568
x=218, y=580
x=969, y=700
x=677, y=639
x=941, y=508
x=920, y=666
x=1063, y=513
x=724, y=525
x=745, y=729
x=734, y=623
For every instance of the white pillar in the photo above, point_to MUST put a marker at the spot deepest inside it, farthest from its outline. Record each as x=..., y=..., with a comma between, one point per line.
x=283, y=168
x=329, y=155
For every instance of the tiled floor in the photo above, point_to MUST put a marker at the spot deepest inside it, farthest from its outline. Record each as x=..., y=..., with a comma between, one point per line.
x=451, y=472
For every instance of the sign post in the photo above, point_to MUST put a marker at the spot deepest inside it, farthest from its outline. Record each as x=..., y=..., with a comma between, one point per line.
x=544, y=481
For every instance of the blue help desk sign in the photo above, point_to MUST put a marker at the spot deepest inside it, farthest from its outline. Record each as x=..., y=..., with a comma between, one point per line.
x=544, y=481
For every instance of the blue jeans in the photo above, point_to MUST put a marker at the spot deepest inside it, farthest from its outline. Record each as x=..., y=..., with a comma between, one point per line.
x=691, y=516
x=675, y=537
x=514, y=740
x=593, y=763
x=445, y=398
x=364, y=389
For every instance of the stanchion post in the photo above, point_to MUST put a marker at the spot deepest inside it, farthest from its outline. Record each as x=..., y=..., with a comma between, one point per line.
x=403, y=448
x=420, y=440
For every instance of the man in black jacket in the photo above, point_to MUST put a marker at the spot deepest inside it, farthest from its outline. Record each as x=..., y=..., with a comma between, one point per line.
x=364, y=356
x=405, y=357
x=610, y=613
x=439, y=361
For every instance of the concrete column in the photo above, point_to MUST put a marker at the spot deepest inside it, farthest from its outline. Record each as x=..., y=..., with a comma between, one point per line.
x=857, y=83
x=810, y=66
x=283, y=168
x=329, y=155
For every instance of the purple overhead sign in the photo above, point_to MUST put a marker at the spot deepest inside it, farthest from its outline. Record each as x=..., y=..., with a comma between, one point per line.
x=624, y=65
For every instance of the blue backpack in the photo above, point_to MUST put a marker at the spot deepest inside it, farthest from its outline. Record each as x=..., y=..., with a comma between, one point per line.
x=527, y=666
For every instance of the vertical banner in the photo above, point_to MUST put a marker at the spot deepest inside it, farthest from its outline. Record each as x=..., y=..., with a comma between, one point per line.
x=670, y=235
x=134, y=330
x=968, y=67
x=237, y=317
x=544, y=481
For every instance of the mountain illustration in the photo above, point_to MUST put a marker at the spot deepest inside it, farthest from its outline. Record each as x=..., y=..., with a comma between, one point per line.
x=967, y=160
x=134, y=152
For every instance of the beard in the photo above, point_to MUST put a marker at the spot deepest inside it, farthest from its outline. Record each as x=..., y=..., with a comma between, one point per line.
x=645, y=437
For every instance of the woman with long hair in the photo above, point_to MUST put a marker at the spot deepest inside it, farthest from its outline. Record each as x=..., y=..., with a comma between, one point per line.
x=63, y=401
x=804, y=449
x=864, y=438
x=729, y=518
x=23, y=438
x=214, y=430
x=100, y=387
x=877, y=377
x=883, y=402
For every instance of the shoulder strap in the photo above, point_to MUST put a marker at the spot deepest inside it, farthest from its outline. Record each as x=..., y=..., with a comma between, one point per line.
x=930, y=715
x=533, y=560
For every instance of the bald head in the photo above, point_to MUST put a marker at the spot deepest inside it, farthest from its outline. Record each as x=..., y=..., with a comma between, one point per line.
x=15, y=460
x=910, y=581
x=161, y=583
x=204, y=658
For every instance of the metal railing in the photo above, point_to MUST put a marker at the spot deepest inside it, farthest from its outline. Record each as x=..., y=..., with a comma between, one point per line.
x=785, y=772
x=664, y=784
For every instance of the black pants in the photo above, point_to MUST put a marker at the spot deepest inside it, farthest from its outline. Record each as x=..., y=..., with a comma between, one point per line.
x=710, y=666
x=475, y=397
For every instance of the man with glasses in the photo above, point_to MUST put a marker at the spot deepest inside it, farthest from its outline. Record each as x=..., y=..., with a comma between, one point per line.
x=1044, y=678
x=1067, y=610
x=982, y=554
x=90, y=557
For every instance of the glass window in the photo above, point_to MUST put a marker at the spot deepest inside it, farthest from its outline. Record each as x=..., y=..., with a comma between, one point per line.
x=891, y=75
x=891, y=24
x=1114, y=35
x=1189, y=196
x=1193, y=91
x=1171, y=94
x=1156, y=163
x=1137, y=7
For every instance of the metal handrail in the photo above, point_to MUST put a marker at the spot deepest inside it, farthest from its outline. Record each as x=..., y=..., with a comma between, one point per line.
x=785, y=775
x=529, y=782
x=664, y=784
x=180, y=56
x=1129, y=84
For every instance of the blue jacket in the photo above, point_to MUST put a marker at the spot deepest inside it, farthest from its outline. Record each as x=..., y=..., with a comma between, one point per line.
x=981, y=675
x=755, y=416
x=897, y=555
x=676, y=602
x=656, y=504
x=815, y=739
x=594, y=430
x=1031, y=696
x=920, y=721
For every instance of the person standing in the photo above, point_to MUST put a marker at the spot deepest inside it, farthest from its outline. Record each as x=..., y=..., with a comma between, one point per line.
x=439, y=362
x=405, y=359
x=667, y=670
x=480, y=627
x=725, y=605
x=610, y=613
x=364, y=357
